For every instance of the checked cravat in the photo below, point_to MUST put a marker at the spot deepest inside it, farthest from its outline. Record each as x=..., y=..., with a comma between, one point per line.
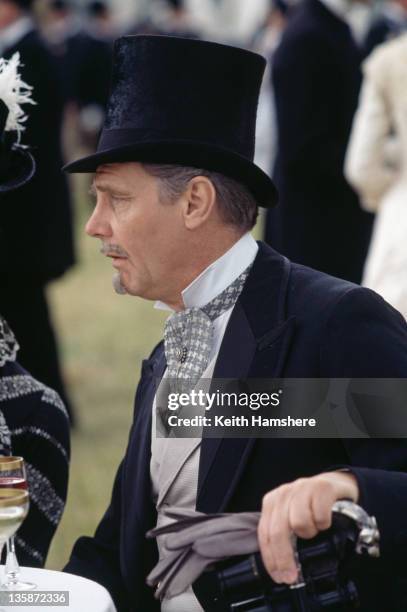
x=188, y=336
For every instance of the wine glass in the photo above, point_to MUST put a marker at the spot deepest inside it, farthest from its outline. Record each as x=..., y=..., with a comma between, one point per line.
x=14, y=506
x=13, y=476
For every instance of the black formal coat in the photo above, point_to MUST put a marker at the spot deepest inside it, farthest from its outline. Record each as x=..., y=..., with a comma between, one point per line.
x=36, y=240
x=289, y=321
x=316, y=79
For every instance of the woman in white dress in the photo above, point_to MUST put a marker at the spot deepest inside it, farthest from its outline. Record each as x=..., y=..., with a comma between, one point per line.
x=376, y=166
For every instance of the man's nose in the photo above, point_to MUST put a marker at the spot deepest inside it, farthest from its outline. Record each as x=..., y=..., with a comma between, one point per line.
x=98, y=225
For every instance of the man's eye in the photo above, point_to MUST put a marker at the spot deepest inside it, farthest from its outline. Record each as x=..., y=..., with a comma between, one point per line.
x=117, y=200
x=120, y=198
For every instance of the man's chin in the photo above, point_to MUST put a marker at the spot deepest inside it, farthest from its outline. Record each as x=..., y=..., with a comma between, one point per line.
x=118, y=285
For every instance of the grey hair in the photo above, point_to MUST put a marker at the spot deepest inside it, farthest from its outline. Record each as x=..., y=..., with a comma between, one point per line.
x=237, y=206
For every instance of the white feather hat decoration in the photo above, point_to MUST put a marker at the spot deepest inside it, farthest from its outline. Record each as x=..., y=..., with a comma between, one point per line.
x=17, y=164
x=14, y=92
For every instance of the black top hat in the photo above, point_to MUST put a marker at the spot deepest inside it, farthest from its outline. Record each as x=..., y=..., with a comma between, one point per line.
x=17, y=165
x=182, y=101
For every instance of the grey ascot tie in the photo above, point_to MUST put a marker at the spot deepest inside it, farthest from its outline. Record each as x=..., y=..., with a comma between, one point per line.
x=188, y=334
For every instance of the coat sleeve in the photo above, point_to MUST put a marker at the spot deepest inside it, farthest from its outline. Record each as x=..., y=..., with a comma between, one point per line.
x=367, y=338
x=98, y=558
x=370, y=163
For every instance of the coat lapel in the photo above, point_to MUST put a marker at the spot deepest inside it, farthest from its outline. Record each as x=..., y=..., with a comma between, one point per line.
x=138, y=554
x=255, y=345
x=137, y=466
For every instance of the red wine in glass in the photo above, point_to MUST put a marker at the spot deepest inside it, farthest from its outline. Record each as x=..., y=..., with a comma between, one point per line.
x=13, y=482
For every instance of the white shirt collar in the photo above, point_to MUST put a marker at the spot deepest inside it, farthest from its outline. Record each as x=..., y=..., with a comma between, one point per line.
x=13, y=33
x=218, y=275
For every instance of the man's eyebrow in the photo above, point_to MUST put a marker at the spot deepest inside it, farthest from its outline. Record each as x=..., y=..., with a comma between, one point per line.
x=106, y=188
x=95, y=187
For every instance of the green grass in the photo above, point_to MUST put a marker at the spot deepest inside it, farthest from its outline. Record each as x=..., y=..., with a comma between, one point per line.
x=103, y=338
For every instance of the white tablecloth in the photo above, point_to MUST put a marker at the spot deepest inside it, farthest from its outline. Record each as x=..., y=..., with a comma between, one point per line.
x=84, y=595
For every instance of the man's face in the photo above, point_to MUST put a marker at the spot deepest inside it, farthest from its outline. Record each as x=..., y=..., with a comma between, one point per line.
x=142, y=235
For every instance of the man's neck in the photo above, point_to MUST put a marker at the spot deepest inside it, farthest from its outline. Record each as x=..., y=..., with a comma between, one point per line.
x=214, y=277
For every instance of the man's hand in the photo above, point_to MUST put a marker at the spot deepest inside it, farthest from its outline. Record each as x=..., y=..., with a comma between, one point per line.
x=302, y=507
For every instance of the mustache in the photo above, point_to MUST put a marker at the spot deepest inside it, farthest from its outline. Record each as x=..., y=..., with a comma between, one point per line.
x=112, y=249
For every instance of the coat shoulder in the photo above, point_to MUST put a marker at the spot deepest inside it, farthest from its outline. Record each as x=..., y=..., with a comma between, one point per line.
x=389, y=52
x=386, y=68
x=308, y=24
x=305, y=41
x=359, y=334
x=33, y=47
x=302, y=32
x=320, y=291
x=335, y=303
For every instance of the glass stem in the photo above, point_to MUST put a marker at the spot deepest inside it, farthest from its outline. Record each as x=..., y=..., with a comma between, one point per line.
x=12, y=568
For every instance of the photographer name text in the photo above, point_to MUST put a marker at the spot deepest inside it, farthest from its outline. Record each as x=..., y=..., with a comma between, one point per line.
x=239, y=421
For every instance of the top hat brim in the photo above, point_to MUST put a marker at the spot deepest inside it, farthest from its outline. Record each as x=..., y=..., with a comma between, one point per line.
x=17, y=167
x=187, y=153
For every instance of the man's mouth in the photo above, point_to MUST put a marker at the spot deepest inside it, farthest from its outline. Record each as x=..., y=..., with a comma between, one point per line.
x=114, y=256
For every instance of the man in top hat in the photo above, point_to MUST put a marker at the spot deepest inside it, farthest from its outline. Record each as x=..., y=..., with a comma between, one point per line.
x=177, y=193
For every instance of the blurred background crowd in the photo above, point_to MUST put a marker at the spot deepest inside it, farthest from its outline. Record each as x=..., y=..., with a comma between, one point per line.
x=332, y=123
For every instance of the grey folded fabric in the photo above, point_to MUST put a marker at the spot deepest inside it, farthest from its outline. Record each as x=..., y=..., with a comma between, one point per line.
x=194, y=541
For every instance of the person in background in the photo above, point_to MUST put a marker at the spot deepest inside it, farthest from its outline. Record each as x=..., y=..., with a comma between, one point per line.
x=100, y=23
x=265, y=42
x=34, y=423
x=82, y=49
x=167, y=18
x=36, y=239
x=376, y=165
x=92, y=72
x=316, y=79
x=177, y=20
x=62, y=33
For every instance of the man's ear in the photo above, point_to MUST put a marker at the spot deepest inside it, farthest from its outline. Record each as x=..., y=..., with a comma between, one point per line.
x=200, y=199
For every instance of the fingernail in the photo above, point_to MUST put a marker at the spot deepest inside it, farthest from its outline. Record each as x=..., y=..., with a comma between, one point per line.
x=288, y=576
x=277, y=577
